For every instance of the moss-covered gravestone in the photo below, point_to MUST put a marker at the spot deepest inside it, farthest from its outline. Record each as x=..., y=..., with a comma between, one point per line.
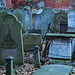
x=11, y=43
x=31, y=40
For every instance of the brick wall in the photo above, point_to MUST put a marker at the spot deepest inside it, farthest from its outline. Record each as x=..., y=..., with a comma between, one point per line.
x=59, y=4
x=63, y=4
x=8, y=3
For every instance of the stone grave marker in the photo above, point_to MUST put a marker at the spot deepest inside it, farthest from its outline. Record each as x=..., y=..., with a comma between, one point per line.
x=60, y=48
x=71, y=19
x=61, y=22
x=11, y=43
x=25, y=17
x=71, y=25
x=31, y=40
x=42, y=20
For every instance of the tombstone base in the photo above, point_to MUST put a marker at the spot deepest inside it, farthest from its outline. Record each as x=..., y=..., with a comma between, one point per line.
x=60, y=60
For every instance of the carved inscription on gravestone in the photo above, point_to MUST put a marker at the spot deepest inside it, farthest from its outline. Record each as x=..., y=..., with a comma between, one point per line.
x=9, y=42
x=60, y=48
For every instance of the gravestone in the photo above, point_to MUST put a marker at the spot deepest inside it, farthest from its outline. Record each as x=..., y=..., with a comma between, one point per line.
x=42, y=20
x=71, y=25
x=11, y=43
x=60, y=47
x=71, y=19
x=61, y=22
x=72, y=31
x=31, y=40
x=25, y=17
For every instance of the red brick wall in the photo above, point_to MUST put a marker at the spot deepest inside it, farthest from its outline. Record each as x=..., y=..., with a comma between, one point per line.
x=63, y=4
x=21, y=3
x=8, y=3
x=18, y=3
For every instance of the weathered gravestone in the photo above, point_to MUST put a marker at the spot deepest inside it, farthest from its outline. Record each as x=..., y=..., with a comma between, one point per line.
x=11, y=43
x=61, y=22
x=42, y=20
x=25, y=17
x=72, y=31
x=31, y=40
x=71, y=25
x=60, y=47
x=71, y=18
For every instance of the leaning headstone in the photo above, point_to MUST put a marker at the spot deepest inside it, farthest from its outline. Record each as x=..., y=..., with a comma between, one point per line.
x=11, y=43
x=54, y=70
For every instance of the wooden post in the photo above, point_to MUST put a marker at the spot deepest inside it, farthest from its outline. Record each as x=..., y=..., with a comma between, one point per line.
x=37, y=57
x=9, y=66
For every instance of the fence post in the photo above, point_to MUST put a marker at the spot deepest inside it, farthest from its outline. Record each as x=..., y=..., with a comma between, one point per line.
x=9, y=67
x=37, y=57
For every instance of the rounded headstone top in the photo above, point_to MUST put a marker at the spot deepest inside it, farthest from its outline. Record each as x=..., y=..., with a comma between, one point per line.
x=6, y=17
x=37, y=47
